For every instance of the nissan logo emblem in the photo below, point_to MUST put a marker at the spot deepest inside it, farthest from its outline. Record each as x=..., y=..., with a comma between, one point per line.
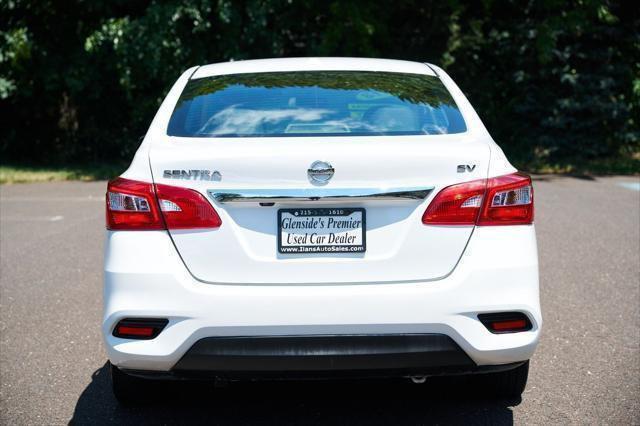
x=320, y=172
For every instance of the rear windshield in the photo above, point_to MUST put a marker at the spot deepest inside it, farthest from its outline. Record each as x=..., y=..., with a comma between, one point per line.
x=315, y=103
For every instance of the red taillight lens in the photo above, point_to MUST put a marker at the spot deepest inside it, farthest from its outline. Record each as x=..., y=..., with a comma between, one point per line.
x=509, y=201
x=132, y=205
x=185, y=208
x=504, y=200
x=456, y=205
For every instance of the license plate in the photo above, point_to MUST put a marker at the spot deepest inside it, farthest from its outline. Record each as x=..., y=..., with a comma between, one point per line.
x=319, y=230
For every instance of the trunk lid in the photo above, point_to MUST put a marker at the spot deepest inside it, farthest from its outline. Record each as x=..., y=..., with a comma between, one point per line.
x=244, y=250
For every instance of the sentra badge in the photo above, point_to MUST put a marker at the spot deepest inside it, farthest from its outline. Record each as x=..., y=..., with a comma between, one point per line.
x=210, y=175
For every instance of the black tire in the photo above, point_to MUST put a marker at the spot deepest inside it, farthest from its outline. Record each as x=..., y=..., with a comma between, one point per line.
x=130, y=390
x=506, y=384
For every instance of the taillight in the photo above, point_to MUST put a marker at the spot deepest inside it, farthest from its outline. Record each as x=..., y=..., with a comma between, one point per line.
x=456, y=205
x=185, y=208
x=133, y=205
x=503, y=200
x=509, y=201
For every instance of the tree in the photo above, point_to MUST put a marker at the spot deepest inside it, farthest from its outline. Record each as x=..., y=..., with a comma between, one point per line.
x=553, y=80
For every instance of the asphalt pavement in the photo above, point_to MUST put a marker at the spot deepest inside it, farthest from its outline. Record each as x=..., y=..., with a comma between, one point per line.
x=586, y=369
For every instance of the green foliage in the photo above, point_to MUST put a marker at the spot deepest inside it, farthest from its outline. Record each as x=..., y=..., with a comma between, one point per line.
x=554, y=81
x=410, y=87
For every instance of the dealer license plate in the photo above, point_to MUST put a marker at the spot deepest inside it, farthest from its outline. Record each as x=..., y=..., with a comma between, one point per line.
x=321, y=230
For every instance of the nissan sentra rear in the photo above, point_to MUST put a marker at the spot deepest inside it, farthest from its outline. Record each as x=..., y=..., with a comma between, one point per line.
x=319, y=217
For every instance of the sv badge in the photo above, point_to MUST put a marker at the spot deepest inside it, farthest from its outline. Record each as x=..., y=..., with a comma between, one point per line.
x=466, y=168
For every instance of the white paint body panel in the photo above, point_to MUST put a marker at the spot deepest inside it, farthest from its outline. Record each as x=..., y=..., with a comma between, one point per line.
x=399, y=246
x=312, y=64
x=231, y=281
x=145, y=277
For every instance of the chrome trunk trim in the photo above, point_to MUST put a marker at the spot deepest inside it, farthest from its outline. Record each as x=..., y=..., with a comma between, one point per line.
x=318, y=194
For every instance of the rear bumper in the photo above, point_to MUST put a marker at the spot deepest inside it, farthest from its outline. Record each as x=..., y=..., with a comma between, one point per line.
x=269, y=357
x=144, y=277
x=405, y=352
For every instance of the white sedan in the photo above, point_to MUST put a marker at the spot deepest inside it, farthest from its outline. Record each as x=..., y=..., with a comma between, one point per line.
x=318, y=217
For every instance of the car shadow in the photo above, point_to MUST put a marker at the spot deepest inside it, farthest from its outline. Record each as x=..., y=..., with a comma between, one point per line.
x=440, y=400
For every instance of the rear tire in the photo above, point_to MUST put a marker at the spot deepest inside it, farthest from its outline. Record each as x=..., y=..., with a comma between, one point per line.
x=506, y=384
x=127, y=389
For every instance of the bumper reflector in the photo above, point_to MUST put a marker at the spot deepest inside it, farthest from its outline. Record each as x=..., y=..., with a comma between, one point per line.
x=505, y=322
x=140, y=328
x=509, y=325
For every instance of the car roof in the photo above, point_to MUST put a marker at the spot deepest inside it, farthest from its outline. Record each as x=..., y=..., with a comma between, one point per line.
x=312, y=64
